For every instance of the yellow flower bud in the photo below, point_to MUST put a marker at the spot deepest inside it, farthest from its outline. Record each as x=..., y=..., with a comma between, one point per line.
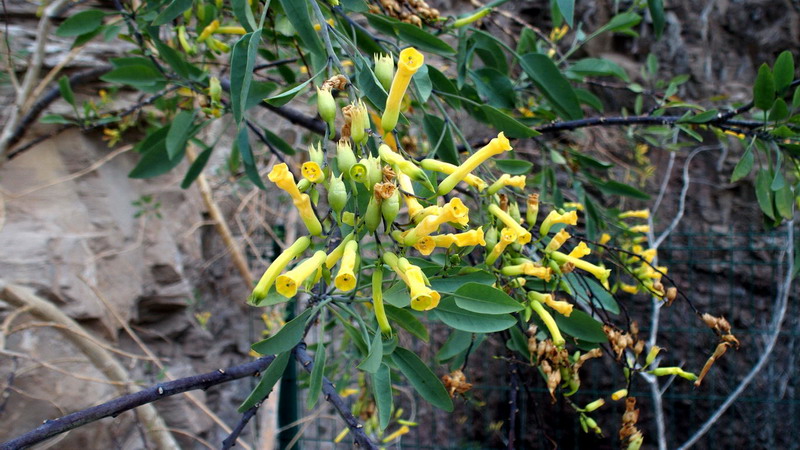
x=598, y=272
x=594, y=405
x=629, y=288
x=619, y=394
x=346, y=280
x=384, y=69
x=651, y=355
x=640, y=229
x=507, y=180
x=638, y=214
x=377, y=301
x=604, y=238
x=288, y=283
x=409, y=62
x=277, y=266
x=557, y=241
x=208, y=30
x=523, y=236
x=569, y=218
x=312, y=172
x=231, y=30
x=214, y=89
x=495, y=147
x=447, y=168
x=549, y=323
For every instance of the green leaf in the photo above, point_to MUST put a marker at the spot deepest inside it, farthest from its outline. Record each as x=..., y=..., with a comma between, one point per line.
x=259, y=90
x=439, y=136
x=155, y=160
x=286, y=338
x=589, y=292
x=495, y=87
x=196, y=168
x=779, y=110
x=620, y=22
x=457, y=342
x=581, y=326
x=488, y=48
x=567, y=10
x=422, y=40
x=373, y=361
x=297, y=12
x=783, y=71
x=507, y=124
x=177, y=62
x=383, y=24
x=703, y=117
x=518, y=343
x=284, y=97
x=382, y=390
x=599, y=67
x=368, y=84
x=744, y=166
x=317, y=373
x=406, y=320
x=173, y=10
x=359, y=6
x=242, y=60
x=784, y=201
x=656, y=8
x=83, y=22
x=242, y=145
x=136, y=75
x=764, y=193
x=796, y=98
x=422, y=378
x=514, y=166
x=587, y=98
x=546, y=76
x=66, y=90
x=616, y=188
x=243, y=13
x=461, y=319
x=278, y=143
x=268, y=379
x=441, y=83
x=483, y=299
x=764, y=88
x=451, y=284
x=54, y=118
x=179, y=132
x=423, y=84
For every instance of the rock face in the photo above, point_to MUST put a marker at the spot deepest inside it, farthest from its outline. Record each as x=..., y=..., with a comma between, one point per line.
x=63, y=234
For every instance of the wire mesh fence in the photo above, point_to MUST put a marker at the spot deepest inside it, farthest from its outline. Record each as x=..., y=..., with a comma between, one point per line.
x=733, y=273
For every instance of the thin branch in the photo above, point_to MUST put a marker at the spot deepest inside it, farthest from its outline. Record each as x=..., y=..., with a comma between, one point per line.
x=230, y=441
x=638, y=120
x=119, y=405
x=333, y=397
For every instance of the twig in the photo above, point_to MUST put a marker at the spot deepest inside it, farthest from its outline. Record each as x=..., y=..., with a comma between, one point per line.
x=570, y=125
x=230, y=441
x=121, y=404
x=333, y=397
x=782, y=301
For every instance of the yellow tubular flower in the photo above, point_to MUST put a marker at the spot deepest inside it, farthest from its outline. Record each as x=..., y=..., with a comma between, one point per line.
x=549, y=322
x=507, y=237
x=453, y=211
x=287, y=284
x=336, y=254
x=403, y=430
x=638, y=214
x=640, y=229
x=497, y=146
x=629, y=288
x=423, y=298
x=604, y=238
x=557, y=241
x=598, y=272
x=346, y=279
x=523, y=236
x=580, y=251
x=303, y=205
x=507, y=180
x=408, y=63
x=563, y=308
x=425, y=245
x=533, y=210
x=414, y=207
x=231, y=30
x=619, y=394
x=312, y=172
x=528, y=268
x=468, y=238
x=569, y=218
x=283, y=178
x=277, y=266
x=447, y=168
x=648, y=255
x=377, y=301
x=402, y=165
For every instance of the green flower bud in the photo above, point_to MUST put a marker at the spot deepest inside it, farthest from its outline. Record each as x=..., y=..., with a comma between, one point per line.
x=345, y=157
x=513, y=211
x=326, y=105
x=214, y=90
x=316, y=154
x=491, y=237
x=594, y=405
x=651, y=355
x=337, y=194
x=303, y=185
x=372, y=217
x=390, y=208
x=384, y=69
x=374, y=171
